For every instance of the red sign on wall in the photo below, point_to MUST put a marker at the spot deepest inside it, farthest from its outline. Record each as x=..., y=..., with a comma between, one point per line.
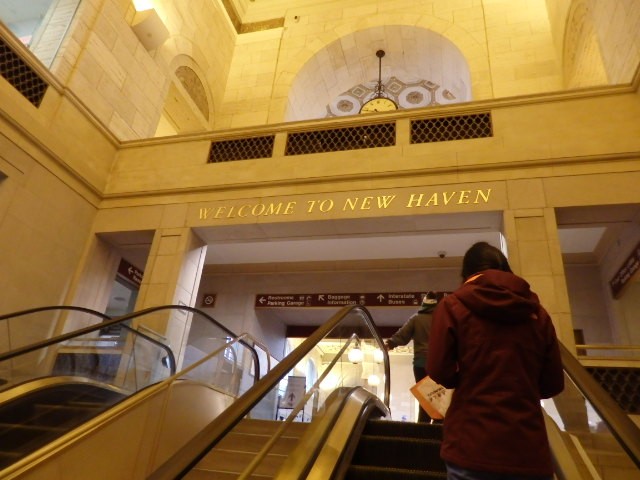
x=630, y=266
x=129, y=272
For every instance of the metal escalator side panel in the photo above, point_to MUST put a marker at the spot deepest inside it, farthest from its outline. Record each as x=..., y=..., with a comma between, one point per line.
x=328, y=445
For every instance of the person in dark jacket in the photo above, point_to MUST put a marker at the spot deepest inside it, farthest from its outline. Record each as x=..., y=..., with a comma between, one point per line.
x=417, y=328
x=495, y=344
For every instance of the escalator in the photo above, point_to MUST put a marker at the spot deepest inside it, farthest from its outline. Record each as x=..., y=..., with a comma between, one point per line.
x=389, y=450
x=350, y=434
x=339, y=432
x=239, y=447
x=32, y=419
x=342, y=433
x=56, y=390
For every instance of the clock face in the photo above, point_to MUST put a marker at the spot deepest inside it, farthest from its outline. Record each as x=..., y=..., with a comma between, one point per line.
x=378, y=105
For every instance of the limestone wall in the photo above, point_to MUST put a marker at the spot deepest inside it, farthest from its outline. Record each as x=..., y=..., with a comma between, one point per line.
x=124, y=85
x=511, y=49
x=54, y=162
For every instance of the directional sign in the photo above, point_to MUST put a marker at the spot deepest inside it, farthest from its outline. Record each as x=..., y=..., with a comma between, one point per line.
x=301, y=300
x=130, y=272
x=626, y=272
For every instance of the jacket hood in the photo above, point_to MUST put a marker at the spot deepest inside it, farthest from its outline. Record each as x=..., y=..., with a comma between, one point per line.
x=501, y=296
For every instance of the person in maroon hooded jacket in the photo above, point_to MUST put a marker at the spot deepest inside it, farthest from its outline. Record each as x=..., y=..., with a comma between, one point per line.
x=495, y=344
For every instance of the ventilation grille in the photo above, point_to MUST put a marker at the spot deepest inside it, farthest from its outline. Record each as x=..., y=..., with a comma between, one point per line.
x=459, y=127
x=20, y=75
x=339, y=139
x=623, y=384
x=444, y=129
x=241, y=149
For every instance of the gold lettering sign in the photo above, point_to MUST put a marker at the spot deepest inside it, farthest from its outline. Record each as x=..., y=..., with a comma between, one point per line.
x=353, y=203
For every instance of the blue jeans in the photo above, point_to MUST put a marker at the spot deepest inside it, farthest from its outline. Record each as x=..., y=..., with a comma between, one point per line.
x=457, y=473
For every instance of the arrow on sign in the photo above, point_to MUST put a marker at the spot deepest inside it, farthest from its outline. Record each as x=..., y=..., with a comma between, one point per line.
x=262, y=300
x=380, y=298
x=321, y=298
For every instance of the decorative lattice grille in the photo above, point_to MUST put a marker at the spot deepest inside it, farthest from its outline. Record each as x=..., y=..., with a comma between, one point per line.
x=458, y=127
x=241, y=149
x=20, y=75
x=623, y=384
x=339, y=139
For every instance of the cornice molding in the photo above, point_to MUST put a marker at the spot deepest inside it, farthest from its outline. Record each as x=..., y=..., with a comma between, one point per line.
x=334, y=181
x=467, y=108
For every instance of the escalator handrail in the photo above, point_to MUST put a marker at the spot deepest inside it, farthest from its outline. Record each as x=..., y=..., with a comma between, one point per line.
x=341, y=424
x=230, y=334
x=299, y=407
x=184, y=459
x=82, y=331
x=262, y=346
x=20, y=313
x=621, y=426
x=109, y=321
x=368, y=405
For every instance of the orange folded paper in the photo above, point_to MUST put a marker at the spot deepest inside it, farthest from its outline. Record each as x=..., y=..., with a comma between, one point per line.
x=433, y=397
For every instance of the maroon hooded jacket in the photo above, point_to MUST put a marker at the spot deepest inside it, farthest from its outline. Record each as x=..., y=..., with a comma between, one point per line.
x=495, y=344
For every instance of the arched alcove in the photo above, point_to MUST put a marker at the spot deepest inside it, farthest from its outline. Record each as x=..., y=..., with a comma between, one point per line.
x=420, y=68
x=188, y=103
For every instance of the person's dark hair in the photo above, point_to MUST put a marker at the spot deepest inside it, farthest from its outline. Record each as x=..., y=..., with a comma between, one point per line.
x=483, y=256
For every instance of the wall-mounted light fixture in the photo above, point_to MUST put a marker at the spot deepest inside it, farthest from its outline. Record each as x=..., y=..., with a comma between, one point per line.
x=355, y=354
x=148, y=26
x=378, y=356
x=141, y=5
x=330, y=382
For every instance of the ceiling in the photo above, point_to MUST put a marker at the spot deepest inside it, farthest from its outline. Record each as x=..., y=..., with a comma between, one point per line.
x=353, y=239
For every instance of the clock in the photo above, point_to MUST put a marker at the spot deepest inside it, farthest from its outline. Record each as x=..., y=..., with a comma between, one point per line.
x=380, y=104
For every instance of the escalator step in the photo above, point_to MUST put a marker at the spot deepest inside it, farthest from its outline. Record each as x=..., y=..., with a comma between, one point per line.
x=7, y=458
x=360, y=472
x=230, y=461
x=404, y=429
x=35, y=428
x=69, y=408
x=61, y=415
x=16, y=441
x=30, y=421
x=86, y=404
x=397, y=452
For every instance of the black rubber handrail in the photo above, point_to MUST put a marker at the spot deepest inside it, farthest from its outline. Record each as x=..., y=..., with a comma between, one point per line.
x=190, y=454
x=9, y=316
x=619, y=423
